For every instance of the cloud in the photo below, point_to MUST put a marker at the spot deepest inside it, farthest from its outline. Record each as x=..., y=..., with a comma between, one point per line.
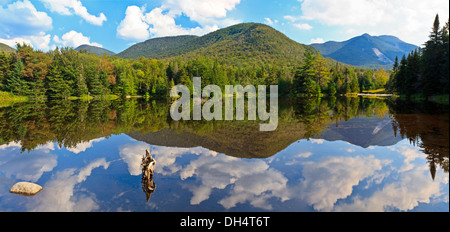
x=138, y=25
x=164, y=25
x=303, y=155
x=317, y=40
x=20, y=22
x=201, y=11
x=270, y=22
x=291, y=18
x=333, y=178
x=317, y=141
x=303, y=26
x=252, y=181
x=132, y=155
x=133, y=26
x=22, y=19
x=59, y=193
x=410, y=20
x=81, y=147
x=413, y=187
x=70, y=7
x=26, y=166
x=40, y=41
x=74, y=39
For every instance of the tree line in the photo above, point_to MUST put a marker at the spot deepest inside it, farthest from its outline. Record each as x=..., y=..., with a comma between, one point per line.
x=424, y=71
x=317, y=77
x=64, y=73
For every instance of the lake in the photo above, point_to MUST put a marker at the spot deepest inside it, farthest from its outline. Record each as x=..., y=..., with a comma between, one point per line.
x=350, y=154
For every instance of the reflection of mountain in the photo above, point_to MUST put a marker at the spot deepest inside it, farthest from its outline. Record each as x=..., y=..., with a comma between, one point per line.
x=76, y=125
x=243, y=141
x=363, y=132
x=246, y=141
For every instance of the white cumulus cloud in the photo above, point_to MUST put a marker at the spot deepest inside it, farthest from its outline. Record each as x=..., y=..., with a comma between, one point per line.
x=70, y=7
x=317, y=40
x=140, y=25
x=410, y=20
x=20, y=22
x=303, y=26
x=74, y=39
x=133, y=26
x=201, y=11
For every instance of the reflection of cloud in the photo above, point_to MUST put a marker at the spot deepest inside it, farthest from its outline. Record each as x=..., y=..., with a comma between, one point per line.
x=295, y=158
x=410, y=154
x=166, y=157
x=303, y=155
x=257, y=188
x=414, y=187
x=333, y=178
x=81, y=147
x=58, y=193
x=252, y=181
x=317, y=141
x=132, y=155
x=14, y=145
x=27, y=166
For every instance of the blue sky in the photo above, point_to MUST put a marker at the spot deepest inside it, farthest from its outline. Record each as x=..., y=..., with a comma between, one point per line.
x=117, y=24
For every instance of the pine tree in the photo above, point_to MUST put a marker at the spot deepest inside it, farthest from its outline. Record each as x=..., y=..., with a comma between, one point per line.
x=14, y=82
x=433, y=61
x=57, y=87
x=5, y=62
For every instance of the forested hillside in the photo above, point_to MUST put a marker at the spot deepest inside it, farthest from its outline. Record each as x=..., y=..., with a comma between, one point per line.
x=96, y=50
x=424, y=71
x=248, y=43
x=242, y=54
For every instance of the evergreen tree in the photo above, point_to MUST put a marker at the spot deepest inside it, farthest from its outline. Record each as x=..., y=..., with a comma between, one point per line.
x=57, y=87
x=5, y=63
x=14, y=82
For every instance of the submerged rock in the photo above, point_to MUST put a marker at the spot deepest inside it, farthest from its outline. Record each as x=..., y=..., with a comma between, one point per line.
x=25, y=189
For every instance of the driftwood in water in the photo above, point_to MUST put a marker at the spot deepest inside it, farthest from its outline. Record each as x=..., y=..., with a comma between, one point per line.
x=148, y=164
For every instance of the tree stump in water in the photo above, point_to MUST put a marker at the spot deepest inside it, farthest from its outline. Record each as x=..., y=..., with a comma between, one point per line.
x=148, y=185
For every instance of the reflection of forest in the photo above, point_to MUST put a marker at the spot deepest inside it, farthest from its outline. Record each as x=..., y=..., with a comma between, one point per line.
x=426, y=125
x=72, y=122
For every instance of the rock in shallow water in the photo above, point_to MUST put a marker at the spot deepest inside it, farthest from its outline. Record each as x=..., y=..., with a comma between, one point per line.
x=25, y=189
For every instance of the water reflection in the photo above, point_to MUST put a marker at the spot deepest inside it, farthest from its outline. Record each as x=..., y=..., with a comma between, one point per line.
x=148, y=184
x=351, y=154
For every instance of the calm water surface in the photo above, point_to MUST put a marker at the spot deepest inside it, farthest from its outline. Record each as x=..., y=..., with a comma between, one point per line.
x=352, y=154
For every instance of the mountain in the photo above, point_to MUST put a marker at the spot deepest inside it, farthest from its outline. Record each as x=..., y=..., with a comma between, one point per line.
x=366, y=51
x=248, y=42
x=159, y=48
x=96, y=50
x=363, y=131
x=6, y=48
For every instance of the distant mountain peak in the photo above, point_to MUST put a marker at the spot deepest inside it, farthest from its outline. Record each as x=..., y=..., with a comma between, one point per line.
x=366, y=51
x=96, y=50
x=238, y=43
x=6, y=48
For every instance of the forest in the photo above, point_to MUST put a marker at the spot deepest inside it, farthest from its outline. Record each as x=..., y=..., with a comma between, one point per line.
x=65, y=73
x=424, y=72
